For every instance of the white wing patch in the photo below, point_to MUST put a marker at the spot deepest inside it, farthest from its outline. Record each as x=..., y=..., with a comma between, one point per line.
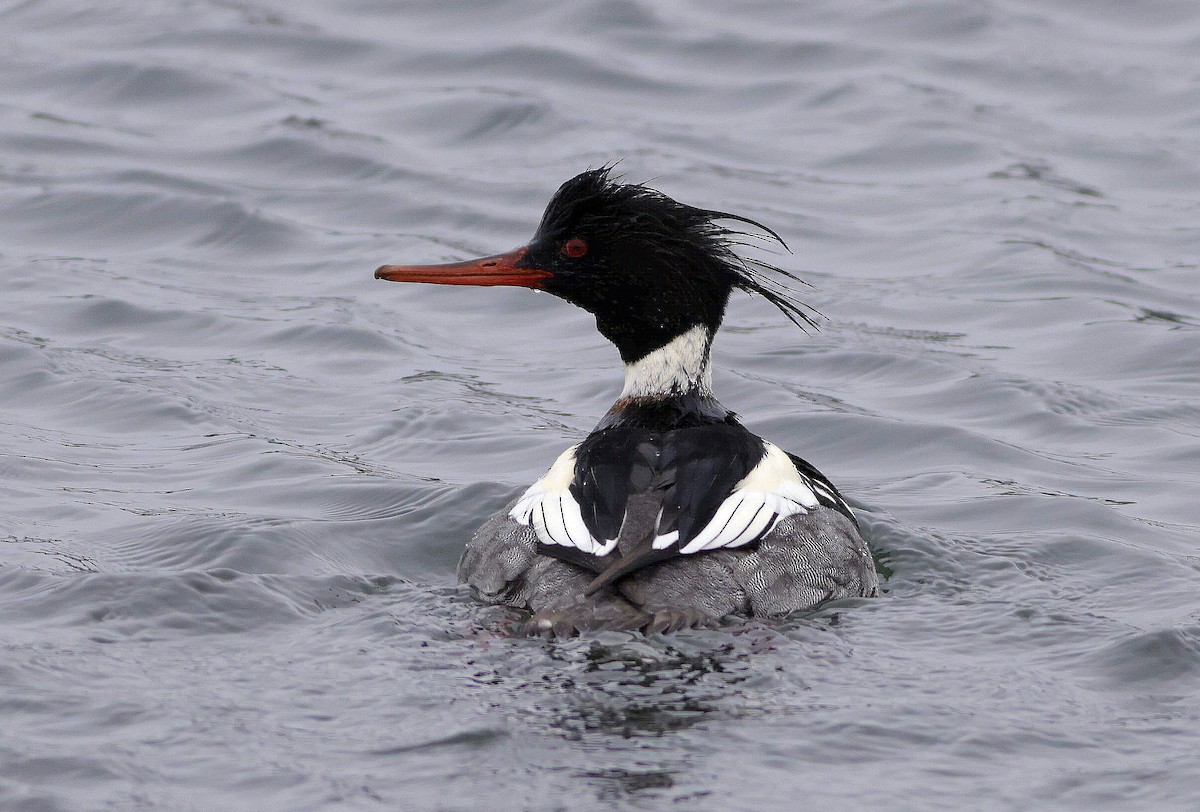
x=772, y=491
x=555, y=515
x=828, y=493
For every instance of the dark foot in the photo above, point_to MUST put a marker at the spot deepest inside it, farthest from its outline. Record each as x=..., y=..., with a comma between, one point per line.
x=666, y=621
x=569, y=621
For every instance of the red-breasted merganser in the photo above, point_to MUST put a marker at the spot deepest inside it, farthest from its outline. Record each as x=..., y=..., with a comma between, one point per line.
x=670, y=513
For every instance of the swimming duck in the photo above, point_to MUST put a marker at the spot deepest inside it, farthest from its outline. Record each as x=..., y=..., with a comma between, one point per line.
x=670, y=514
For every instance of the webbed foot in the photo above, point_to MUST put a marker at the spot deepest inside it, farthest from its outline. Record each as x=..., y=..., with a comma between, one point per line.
x=667, y=621
x=586, y=616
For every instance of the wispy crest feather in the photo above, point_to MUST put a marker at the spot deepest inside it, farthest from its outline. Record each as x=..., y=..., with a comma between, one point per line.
x=596, y=191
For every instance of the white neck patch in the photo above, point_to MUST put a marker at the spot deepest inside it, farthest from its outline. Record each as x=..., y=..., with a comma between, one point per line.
x=680, y=365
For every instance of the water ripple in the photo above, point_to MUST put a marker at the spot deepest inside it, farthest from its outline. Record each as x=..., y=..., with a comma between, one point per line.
x=238, y=472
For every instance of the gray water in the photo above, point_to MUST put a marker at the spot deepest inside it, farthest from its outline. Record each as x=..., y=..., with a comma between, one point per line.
x=237, y=471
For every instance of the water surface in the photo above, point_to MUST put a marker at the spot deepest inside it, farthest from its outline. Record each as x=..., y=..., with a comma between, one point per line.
x=238, y=471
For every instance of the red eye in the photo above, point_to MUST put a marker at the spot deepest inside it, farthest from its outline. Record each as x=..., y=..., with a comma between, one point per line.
x=574, y=248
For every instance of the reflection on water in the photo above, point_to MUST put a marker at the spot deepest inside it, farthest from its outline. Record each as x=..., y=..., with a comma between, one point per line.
x=635, y=688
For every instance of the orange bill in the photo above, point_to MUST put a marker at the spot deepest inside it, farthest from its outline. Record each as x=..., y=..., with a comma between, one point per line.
x=499, y=269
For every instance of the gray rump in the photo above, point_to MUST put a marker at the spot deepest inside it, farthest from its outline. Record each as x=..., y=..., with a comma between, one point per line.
x=806, y=560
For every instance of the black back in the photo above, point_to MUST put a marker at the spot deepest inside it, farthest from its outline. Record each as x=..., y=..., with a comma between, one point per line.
x=693, y=470
x=687, y=453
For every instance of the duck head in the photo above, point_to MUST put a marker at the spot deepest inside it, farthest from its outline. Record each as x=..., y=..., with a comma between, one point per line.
x=652, y=271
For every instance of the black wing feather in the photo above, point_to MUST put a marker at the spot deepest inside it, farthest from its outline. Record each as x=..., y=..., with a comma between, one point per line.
x=688, y=471
x=609, y=465
x=807, y=469
x=709, y=462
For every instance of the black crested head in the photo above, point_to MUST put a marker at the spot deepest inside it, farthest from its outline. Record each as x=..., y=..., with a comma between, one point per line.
x=648, y=267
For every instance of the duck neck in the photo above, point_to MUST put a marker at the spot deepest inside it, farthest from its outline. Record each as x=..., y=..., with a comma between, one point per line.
x=679, y=367
x=670, y=388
